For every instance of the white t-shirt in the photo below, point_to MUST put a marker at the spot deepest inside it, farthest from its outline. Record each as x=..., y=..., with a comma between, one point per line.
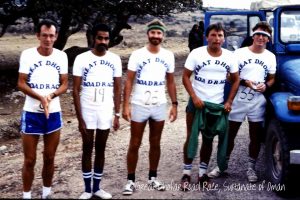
x=209, y=75
x=151, y=72
x=253, y=66
x=97, y=74
x=43, y=76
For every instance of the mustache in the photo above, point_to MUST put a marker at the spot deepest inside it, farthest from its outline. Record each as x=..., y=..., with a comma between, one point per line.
x=101, y=47
x=155, y=41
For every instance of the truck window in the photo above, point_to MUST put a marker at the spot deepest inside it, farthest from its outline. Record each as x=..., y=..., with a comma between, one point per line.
x=289, y=26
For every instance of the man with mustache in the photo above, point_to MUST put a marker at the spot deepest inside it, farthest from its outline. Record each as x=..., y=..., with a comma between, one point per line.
x=209, y=66
x=97, y=94
x=150, y=67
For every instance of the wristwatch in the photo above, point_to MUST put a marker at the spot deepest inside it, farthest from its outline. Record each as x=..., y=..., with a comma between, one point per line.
x=175, y=103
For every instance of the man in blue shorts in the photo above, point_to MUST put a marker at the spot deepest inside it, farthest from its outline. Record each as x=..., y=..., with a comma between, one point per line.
x=153, y=69
x=43, y=77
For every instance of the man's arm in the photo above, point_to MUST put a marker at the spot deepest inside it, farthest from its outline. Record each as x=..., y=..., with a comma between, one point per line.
x=189, y=88
x=76, y=98
x=235, y=82
x=262, y=87
x=171, y=86
x=63, y=85
x=270, y=80
x=23, y=86
x=117, y=101
x=127, y=93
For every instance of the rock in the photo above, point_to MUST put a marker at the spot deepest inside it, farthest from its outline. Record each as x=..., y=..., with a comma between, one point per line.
x=15, y=95
x=3, y=149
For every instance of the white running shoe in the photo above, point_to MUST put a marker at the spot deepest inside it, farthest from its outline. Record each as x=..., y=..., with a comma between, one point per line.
x=156, y=184
x=252, y=176
x=129, y=188
x=102, y=194
x=215, y=173
x=86, y=195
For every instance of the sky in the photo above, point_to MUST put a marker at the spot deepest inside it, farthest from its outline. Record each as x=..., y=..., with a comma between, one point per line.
x=234, y=4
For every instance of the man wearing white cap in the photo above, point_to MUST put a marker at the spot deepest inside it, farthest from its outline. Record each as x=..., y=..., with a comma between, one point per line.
x=257, y=67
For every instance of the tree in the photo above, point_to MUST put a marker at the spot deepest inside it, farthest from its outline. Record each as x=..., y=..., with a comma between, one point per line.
x=75, y=15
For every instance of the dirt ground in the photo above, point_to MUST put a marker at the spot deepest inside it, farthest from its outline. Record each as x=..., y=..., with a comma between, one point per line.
x=67, y=182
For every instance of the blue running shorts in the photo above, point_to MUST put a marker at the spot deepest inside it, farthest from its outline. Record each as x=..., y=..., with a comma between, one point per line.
x=37, y=124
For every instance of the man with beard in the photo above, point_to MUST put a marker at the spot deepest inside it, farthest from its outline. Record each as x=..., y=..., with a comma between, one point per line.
x=97, y=75
x=151, y=66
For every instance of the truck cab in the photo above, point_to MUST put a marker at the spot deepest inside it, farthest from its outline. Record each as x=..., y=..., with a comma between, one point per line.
x=282, y=119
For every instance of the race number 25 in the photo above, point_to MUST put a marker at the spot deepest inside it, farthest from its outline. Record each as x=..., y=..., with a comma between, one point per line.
x=151, y=97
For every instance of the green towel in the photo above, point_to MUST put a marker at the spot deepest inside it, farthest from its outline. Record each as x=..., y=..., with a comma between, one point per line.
x=212, y=120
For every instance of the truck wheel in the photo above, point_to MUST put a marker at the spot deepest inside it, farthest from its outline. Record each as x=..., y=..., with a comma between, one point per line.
x=277, y=155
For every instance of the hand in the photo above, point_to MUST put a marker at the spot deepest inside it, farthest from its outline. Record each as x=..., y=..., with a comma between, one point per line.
x=45, y=105
x=82, y=127
x=251, y=85
x=126, y=114
x=116, y=123
x=227, y=107
x=198, y=102
x=50, y=96
x=261, y=87
x=173, y=113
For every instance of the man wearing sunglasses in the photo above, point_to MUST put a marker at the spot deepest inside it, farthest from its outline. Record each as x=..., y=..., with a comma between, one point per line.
x=97, y=92
x=257, y=67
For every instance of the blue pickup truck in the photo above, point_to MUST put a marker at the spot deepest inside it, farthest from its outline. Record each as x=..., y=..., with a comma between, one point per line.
x=282, y=123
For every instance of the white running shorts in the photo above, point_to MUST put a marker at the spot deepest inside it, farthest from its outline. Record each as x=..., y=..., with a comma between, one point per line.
x=248, y=103
x=142, y=113
x=97, y=118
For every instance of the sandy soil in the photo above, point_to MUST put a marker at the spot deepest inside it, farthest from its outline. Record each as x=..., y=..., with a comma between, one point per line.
x=67, y=182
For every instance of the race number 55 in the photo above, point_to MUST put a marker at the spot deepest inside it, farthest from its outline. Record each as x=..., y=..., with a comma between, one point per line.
x=247, y=94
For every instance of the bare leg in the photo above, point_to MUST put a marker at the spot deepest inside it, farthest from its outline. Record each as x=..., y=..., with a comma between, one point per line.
x=100, y=144
x=29, y=147
x=50, y=145
x=189, y=123
x=87, y=150
x=154, y=139
x=255, y=129
x=137, y=131
x=232, y=132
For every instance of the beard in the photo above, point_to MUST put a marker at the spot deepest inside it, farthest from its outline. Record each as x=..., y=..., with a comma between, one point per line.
x=101, y=47
x=155, y=41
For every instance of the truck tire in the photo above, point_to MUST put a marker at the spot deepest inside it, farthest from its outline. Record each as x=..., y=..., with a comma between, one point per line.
x=277, y=156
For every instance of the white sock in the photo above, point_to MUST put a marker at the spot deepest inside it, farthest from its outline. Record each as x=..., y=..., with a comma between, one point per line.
x=46, y=191
x=27, y=195
x=202, y=168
